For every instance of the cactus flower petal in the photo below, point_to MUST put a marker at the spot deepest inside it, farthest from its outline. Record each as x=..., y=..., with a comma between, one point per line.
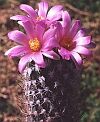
x=29, y=10
x=41, y=14
x=18, y=36
x=43, y=8
x=23, y=61
x=54, y=12
x=33, y=45
x=77, y=59
x=83, y=40
x=51, y=54
x=64, y=53
x=38, y=58
x=19, y=17
x=72, y=40
x=82, y=50
x=16, y=51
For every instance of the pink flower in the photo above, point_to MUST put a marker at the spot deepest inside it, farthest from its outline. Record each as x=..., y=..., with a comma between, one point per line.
x=34, y=45
x=72, y=40
x=42, y=14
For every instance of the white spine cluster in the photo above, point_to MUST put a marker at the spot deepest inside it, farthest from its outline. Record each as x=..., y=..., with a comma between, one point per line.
x=36, y=94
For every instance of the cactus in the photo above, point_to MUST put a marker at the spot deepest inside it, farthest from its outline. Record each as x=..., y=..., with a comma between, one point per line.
x=51, y=80
x=52, y=94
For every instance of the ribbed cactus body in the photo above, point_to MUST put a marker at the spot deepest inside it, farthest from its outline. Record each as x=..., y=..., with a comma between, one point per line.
x=52, y=94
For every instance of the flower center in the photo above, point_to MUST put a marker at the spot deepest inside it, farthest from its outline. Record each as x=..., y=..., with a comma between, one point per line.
x=39, y=18
x=35, y=44
x=68, y=44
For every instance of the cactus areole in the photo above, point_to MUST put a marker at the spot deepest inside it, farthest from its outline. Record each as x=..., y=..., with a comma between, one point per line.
x=51, y=53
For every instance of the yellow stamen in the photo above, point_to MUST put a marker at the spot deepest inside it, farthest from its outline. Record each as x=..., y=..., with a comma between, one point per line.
x=35, y=44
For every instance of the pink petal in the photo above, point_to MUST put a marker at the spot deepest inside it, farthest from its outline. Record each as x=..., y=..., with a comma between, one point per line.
x=77, y=59
x=66, y=20
x=91, y=45
x=43, y=23
x=38, y=59
x=40, y=31
x=16, y=51
x=64, y=53
x=56, y=17
x=74, y=29
x=83, y=40
x=50, y=44
x=43, y=8
x=80, y=33
x=82, y=50
x=19, y=17
x=21, y=23
x=28, y=9
x=18, y=37
x=66, y=23
x=23, y=62
x=51, y=54
x=49, y=34
x=29, y=28
x=59, y=31
x=54, y=13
